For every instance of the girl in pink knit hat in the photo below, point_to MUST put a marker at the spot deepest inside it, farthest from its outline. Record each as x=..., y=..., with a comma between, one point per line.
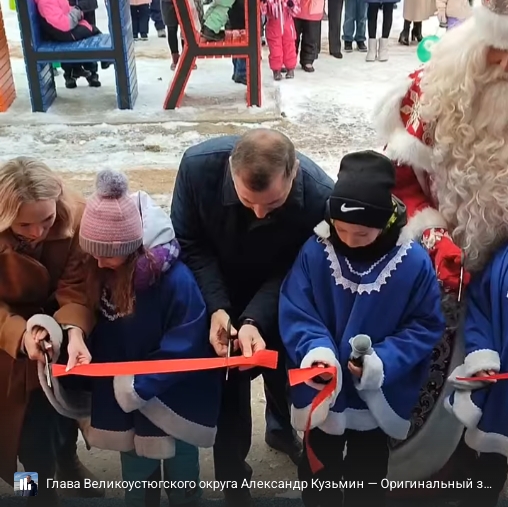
x=149, y=307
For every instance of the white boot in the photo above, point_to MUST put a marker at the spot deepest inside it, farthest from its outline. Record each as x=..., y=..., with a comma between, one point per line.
x=382, y=55
x=372, y=51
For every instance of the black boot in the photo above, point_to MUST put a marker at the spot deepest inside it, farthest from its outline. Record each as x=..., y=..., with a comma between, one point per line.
x=210, y=36
x=416, y=34
x=93, y=80
x=404, y=35
x=70, y=81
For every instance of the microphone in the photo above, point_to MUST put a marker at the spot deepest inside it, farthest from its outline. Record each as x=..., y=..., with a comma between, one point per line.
x=361, y=346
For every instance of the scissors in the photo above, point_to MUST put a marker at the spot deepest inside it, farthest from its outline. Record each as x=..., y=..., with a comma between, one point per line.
x=231, y=344
x=461, y=280
x=47, y=362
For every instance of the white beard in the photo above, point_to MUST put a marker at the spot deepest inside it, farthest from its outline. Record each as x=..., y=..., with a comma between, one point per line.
x=470, y=177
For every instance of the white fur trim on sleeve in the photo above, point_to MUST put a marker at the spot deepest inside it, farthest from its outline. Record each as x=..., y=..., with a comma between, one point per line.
x=125, y=394
x=327, y=356
x=373, y=373
x=427, y=218
x=492, y=27
x=51, y=326
x=480, y=360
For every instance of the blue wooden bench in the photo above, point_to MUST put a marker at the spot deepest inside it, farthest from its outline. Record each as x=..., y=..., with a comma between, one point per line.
x=117, y=47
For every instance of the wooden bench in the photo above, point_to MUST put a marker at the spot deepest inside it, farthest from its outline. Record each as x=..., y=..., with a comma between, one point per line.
x=237, y=44
x=117, y=47
x=7, y=89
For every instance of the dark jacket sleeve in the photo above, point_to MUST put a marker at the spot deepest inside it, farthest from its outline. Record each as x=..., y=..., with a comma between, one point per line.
x=195, y=251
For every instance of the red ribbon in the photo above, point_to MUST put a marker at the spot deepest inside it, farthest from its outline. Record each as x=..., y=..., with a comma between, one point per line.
x=497, y=376
x=300, y=376
x=263, y=358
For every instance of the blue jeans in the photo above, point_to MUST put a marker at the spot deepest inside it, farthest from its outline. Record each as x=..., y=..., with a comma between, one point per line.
x=240, y=67
x=156, y=15
x=355, y=17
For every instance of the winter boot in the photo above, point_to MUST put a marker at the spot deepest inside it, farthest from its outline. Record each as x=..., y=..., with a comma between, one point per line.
x=404, y=35
x=348, y=47
x=175, y=57
x=208, y=35
x=93, y=80
x=382, y=55
x=361, y=47
x=290, y=74
x=372, y=51
x=277, y=75
x=416, y=34
x=70, y=82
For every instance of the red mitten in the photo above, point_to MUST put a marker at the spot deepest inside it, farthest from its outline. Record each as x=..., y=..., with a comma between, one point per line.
x=447, y=258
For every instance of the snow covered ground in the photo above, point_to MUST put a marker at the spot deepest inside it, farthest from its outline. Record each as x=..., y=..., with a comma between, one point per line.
x=326, y=113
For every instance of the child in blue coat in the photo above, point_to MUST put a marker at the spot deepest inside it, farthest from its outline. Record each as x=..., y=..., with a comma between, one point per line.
x=355, y=284
x=149, y=307
x=481, y=406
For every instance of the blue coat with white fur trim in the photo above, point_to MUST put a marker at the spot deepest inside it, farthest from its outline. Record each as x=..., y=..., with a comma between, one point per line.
x=146, y=413
x=326, y=300
x=482, y=407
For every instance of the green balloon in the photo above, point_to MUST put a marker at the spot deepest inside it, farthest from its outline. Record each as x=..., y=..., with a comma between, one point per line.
x=424, y=50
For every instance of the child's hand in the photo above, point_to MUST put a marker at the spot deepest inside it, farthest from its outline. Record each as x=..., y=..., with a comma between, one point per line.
x=485, y=374
x=325, y=377
x=77, y=350
x=356, y=371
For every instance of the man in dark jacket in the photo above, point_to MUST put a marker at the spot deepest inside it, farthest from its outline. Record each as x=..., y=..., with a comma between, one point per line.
x=242, y=209
x=32, y=486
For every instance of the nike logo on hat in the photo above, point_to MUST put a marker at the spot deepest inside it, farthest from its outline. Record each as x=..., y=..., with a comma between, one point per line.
x=345, y=209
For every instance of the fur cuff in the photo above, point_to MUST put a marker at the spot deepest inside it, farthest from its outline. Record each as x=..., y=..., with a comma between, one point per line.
x=373, y=373
x=327, y=356
x=51, y=326
x=427, y=218
x=480, y=360
x=125, y=394
x=464, y=385
x=492, y=27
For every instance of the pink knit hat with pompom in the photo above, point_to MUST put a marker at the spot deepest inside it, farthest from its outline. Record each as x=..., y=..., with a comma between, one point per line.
x=111, y=224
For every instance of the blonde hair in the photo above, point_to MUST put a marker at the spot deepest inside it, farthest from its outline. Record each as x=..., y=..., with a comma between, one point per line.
x=26, y=179
x=464, y=99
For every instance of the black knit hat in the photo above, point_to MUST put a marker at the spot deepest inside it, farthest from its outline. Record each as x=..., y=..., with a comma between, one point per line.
x=363, y=192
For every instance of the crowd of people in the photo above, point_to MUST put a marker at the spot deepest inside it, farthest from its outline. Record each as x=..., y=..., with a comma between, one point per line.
x=263, y=250
x=291, y=28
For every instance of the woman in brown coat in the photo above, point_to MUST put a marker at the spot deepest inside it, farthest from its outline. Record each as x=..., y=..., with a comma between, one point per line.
x=41, y=272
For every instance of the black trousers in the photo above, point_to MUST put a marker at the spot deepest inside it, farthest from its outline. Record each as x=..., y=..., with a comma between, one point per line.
x=140, y=15
x=307, y=37
x=234, y=428
x=334, y=24
x=372, y=12
x=366, y=461
x=39, y=441
x=490, y=470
